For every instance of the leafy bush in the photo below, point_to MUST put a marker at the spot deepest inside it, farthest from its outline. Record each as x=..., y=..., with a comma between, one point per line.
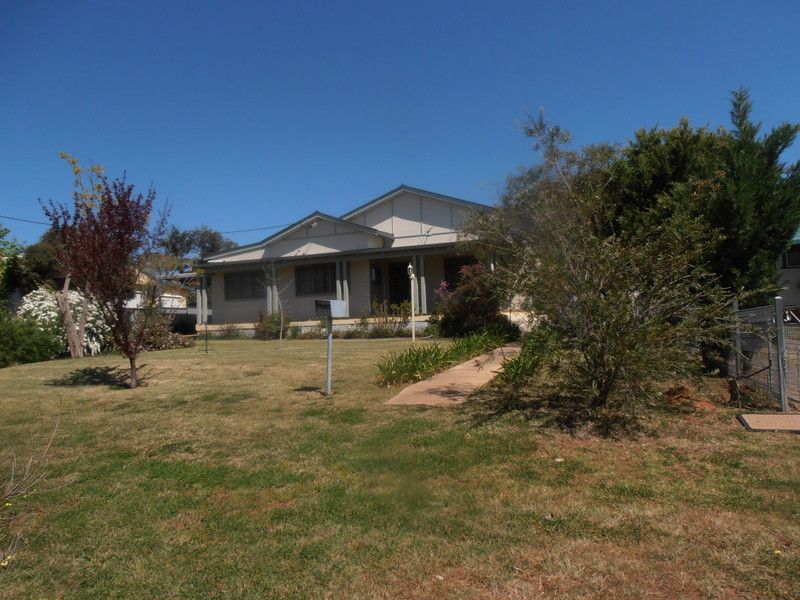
x=159, y=335
x=389, y=321
x=539, y=346
x=272, y=326
x=25, y=340
x=420, y=362
x=631, y=308
x=229, y=332
x=41, y=307
x=471, y=306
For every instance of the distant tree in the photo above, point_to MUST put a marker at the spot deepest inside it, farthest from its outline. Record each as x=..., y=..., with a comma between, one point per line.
x=207, y=241
x=105, y=240
x=40, y=262
x=188, y=244
x=9, y=251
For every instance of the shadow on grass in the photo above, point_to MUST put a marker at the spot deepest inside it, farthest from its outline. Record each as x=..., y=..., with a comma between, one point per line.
x=113, y=377
x=308, y=388
x=547, y=409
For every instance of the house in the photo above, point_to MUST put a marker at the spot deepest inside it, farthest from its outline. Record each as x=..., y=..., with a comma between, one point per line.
x=170, y=294
x=358, y=258
x=789, y=271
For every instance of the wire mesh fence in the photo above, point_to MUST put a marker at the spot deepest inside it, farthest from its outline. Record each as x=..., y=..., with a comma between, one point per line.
x=767, y=353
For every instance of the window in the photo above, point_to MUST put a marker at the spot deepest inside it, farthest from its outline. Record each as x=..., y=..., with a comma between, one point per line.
x=315, y=279
x=245, y=285
x=791, y=258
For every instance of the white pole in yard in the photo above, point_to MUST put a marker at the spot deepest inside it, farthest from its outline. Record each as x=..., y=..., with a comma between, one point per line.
x=329, y=370
x=412, y=278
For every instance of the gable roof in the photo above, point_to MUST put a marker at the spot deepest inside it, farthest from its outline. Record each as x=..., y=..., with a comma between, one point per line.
x=305, y=221
x=407, y=188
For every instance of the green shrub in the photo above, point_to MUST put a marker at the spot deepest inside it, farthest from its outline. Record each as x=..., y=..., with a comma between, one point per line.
x=159, y=335
x=230, y=332
x=272, y=326
x=420, y=362
x=540, y=345
x=471, y=306
x=24, y=341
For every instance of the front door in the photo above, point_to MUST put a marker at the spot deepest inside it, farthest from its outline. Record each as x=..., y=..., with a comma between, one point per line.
x=399, y=285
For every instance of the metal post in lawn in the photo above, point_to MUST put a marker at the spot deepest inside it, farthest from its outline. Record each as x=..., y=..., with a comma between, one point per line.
x=329, y=370
x=412, y=279
x=737, y=341
x=781, y=339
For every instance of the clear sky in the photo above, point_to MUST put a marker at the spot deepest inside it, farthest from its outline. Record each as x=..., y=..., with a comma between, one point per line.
x=247, y=114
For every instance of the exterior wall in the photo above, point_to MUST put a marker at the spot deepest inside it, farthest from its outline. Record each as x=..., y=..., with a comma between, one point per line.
x=359, y=287
x=415, y=220
x=297, y=307
x=232, y=311
x=790, y=280
x=323, y=238
x=164, y=301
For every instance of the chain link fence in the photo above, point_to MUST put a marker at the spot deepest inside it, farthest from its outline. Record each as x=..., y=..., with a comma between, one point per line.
x=766, y=352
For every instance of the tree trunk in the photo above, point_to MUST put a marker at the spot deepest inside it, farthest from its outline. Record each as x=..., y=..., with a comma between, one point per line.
x=81, y=335
x=74, y=343
x=134, y=375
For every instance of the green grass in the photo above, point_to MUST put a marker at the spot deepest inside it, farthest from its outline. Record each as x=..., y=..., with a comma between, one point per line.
x=416, y=363
x=231, y=475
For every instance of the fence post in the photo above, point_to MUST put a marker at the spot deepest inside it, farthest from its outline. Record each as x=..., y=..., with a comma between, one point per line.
x=737, y=340
x=781, y=339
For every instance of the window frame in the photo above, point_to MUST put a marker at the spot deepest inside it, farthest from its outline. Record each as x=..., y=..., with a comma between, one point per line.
x=256, y=290
x=794, y=249
x=321, y=274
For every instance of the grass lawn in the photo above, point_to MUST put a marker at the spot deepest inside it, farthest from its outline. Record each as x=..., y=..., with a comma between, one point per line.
x=230, y=475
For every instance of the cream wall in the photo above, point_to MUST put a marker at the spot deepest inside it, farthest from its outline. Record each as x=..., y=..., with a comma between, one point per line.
x=790, y=281
x=303, y=307
x=232, y=311
x=297, y=307
x=359, y=287
x=415, y=220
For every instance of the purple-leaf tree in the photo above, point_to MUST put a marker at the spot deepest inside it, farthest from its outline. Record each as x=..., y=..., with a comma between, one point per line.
x=106, y=239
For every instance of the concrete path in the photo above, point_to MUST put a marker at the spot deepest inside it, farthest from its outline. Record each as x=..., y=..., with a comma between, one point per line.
x=771, y=422
x=454, y=385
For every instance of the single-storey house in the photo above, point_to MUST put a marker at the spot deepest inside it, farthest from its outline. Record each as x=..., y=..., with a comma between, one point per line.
x=170, y=294
x=358, y=258
x=789, y=270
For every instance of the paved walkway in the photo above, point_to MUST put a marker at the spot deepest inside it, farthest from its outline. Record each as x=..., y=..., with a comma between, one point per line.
x=771, y=422
x=454, y=385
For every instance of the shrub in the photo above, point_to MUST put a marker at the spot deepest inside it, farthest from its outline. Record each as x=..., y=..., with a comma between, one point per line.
x=25, y=340
x=420, y=362
x=159, y=334
x=631, y=308
x=229, y=331
x=539, y=346
x=471, y=306
x=272, y=326
x=41, y=307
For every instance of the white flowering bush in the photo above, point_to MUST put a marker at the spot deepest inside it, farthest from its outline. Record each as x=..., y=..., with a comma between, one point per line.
x=41, y=307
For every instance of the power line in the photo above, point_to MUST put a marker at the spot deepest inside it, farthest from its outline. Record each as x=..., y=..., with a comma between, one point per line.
x=257, y=228
x=234, y=231
x=23, y=220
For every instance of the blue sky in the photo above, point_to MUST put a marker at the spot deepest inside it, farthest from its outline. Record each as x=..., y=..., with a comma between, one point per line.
x=252, y=114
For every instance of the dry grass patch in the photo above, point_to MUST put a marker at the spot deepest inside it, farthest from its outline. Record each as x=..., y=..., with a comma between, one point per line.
x=231, y=475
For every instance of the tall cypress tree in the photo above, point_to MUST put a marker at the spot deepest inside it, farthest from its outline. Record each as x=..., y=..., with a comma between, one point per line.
x=735, y=181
